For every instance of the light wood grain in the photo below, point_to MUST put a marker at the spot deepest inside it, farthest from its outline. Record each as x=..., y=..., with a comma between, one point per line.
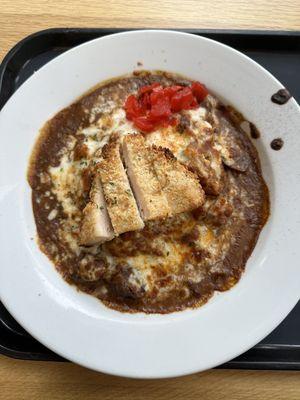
x=19, y=18
x=21, y=380
x=32, y=380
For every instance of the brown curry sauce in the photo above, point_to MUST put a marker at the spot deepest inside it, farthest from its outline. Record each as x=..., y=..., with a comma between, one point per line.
x=199, y=273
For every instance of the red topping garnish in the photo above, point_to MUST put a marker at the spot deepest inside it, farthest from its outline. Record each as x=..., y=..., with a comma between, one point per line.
x=199, y=91
x=154, y=104
x=143, y=124
x=183, y=100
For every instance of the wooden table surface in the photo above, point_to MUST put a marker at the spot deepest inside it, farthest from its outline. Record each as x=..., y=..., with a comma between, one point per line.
x=55, y=381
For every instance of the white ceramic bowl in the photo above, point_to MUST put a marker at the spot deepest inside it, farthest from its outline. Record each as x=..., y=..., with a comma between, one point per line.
x=78, y=326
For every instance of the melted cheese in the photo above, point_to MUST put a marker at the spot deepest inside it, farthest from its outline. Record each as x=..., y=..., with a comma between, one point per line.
x=107, y=118
x=66, y=179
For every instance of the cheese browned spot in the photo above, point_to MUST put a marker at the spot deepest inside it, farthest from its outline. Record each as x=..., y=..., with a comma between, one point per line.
x=206, y=161
x=227, y=136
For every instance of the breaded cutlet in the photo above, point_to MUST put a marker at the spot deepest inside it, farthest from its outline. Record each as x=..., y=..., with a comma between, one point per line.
x=151, y=200
x=96, y=226
x=120, y=201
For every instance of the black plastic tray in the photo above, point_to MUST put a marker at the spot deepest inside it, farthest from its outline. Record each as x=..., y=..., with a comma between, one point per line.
x=279, y=52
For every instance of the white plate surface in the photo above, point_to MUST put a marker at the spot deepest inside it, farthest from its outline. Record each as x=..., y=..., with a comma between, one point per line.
x=78, y=326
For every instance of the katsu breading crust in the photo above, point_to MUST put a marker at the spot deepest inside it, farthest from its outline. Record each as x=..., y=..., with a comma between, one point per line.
x=144, y=182
x=121, y=204
x=96, y=226
x=181, y=186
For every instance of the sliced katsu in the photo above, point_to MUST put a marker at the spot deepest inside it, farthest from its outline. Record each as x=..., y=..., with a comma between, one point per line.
x=180, y=186
x=121, y=204
x=96, y=226
x=146, y=186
